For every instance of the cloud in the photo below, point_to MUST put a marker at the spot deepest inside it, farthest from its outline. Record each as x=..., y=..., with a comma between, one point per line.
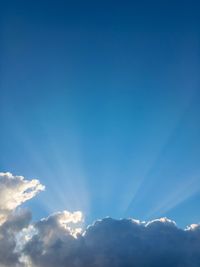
x=9, y=256
x=15, y=190
x=120, y=243
x=58, y=240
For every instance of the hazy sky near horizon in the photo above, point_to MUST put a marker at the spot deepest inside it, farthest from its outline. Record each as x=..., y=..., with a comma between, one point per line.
x=100, y=102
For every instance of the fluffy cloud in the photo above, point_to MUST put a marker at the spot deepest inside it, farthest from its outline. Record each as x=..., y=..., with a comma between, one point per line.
x=119, y=243
x=59, y=241
x=15, y=190
x=56, y=240
x=15, y=223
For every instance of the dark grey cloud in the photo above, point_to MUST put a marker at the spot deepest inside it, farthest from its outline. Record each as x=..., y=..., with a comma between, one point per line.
x=120, y=243
x=55, y=241
x=9, y=255
x=58, y=241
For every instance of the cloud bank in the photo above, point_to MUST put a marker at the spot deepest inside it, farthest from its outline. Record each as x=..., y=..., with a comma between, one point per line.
x=58, y=240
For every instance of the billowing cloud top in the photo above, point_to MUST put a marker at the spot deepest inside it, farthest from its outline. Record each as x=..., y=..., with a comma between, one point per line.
x=58, y=239
x=15, y=190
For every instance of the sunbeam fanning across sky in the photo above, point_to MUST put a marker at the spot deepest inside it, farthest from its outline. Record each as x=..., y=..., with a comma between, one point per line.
x=100, y=102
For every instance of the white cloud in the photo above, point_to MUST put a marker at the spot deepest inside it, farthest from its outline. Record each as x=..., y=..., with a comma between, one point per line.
x=58, y=240
x=15, y=190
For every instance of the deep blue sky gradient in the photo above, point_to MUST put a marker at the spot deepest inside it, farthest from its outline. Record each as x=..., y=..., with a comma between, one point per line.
x=100, y=101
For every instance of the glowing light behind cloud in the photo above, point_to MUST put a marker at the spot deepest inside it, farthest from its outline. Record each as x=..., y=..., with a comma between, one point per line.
x=15, y=190
x=61, y=169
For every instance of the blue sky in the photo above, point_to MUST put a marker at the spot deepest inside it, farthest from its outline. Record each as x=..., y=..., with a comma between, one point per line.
x=100, y=101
